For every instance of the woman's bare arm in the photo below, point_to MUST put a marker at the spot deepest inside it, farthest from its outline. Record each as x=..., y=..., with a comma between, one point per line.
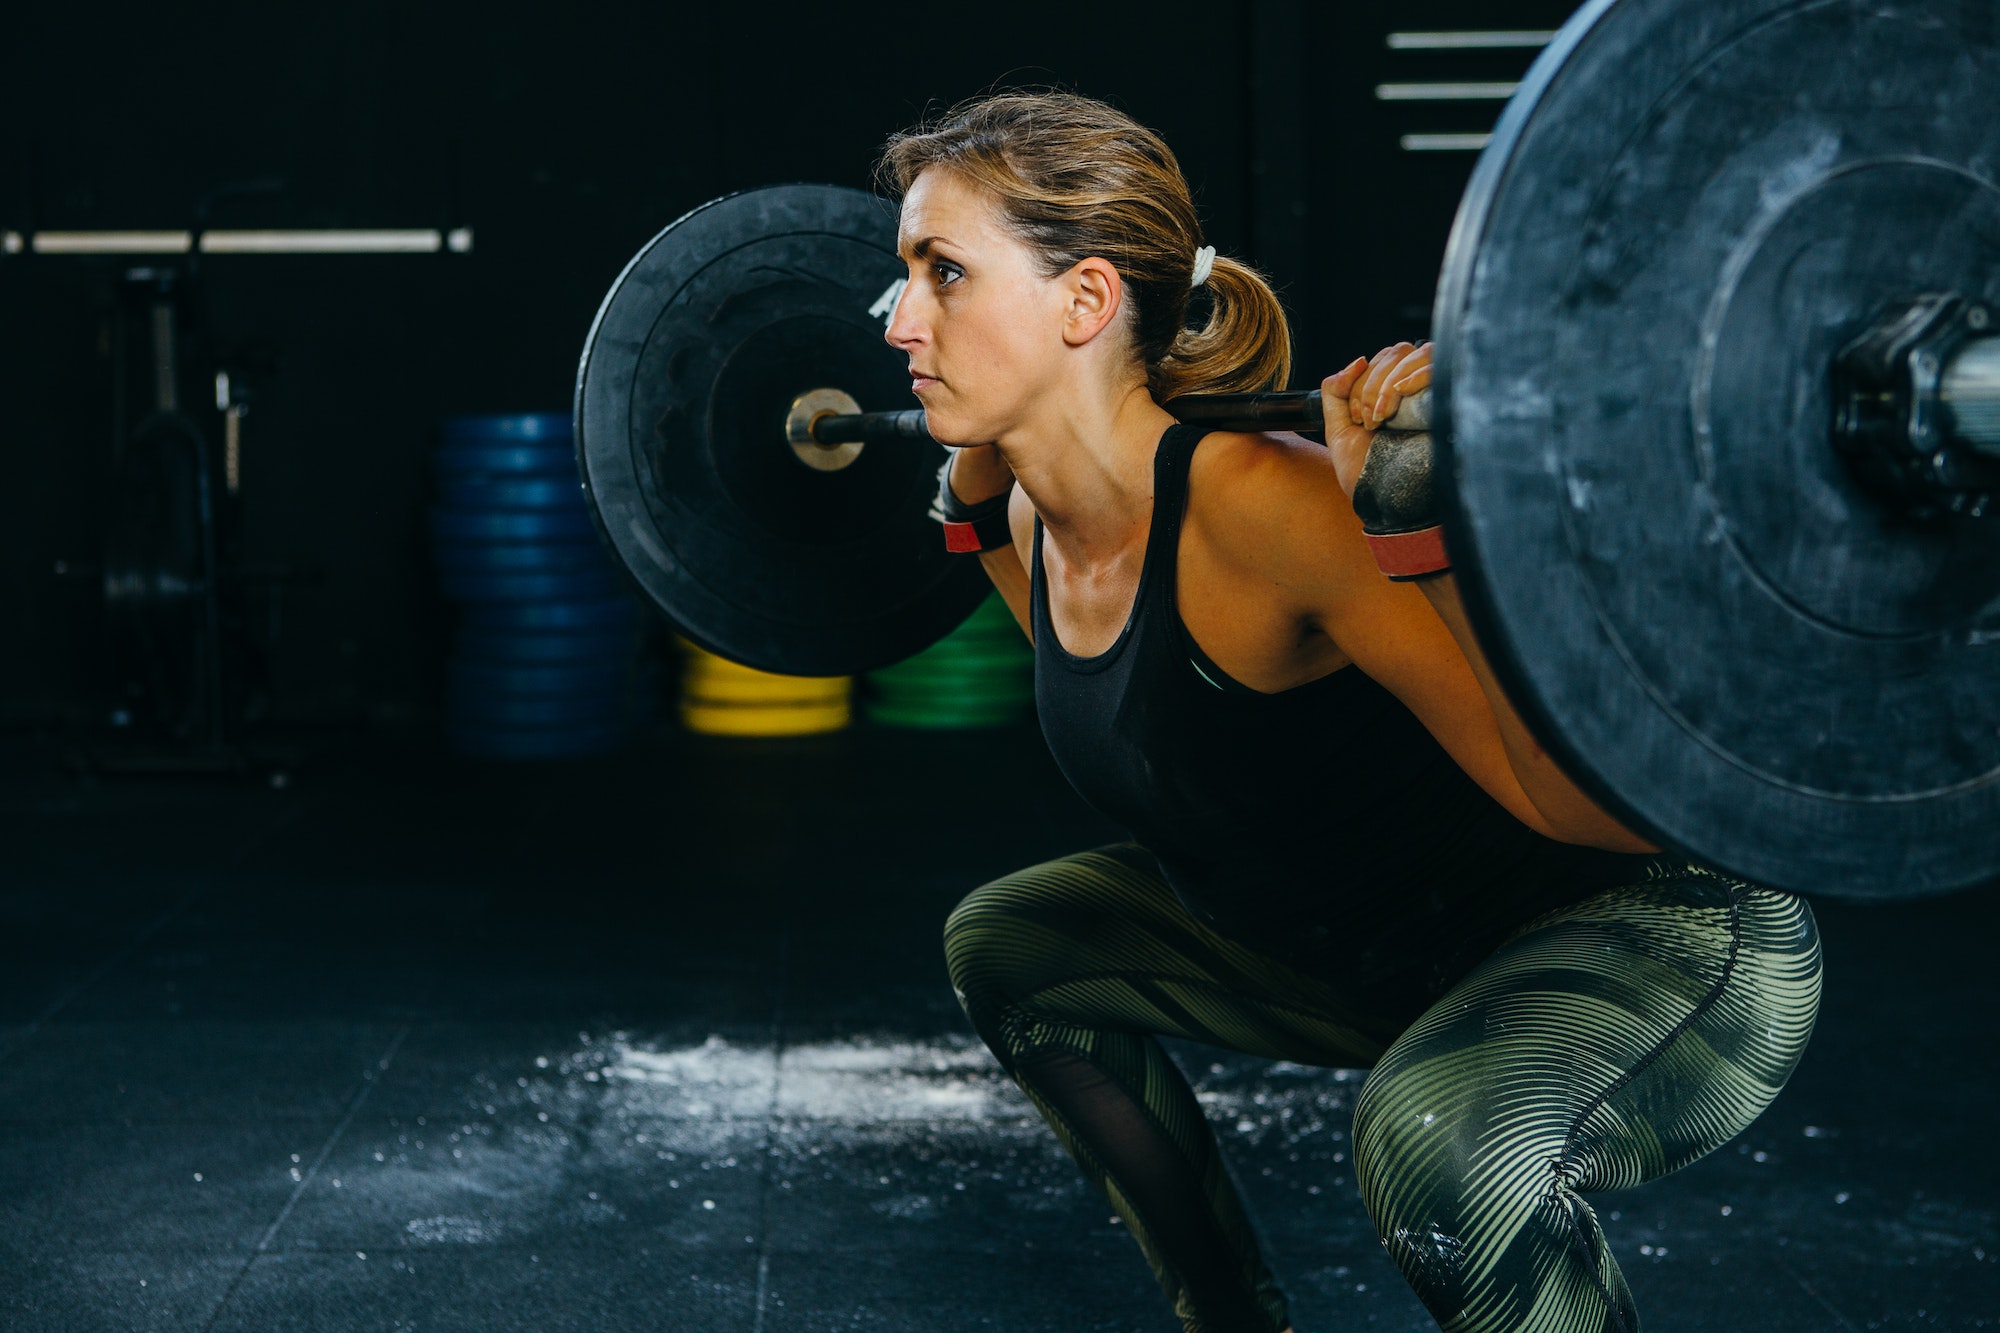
x=1574, y=815
x=979, y=474
x=1357, y=400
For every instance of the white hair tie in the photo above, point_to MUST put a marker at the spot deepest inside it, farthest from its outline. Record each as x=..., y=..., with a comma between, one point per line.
x=1204, y=264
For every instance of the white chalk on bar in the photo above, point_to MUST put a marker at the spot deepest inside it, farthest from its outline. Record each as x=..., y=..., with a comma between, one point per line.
x=1412, y=414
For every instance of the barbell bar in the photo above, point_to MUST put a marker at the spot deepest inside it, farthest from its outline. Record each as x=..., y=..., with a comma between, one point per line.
x=1915, y=417
x=1280, y=411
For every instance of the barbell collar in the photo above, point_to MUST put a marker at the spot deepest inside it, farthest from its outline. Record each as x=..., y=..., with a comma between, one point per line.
x=1918, y=407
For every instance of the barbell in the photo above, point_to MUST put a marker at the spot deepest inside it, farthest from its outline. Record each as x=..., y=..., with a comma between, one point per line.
x=1716, y=406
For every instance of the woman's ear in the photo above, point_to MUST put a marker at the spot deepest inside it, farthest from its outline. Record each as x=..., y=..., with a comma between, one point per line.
x=1094, y=293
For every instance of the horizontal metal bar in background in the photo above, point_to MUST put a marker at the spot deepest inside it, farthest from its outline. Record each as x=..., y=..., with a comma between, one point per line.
x=381, y=241
x=111, y=242
x=1445, y=92
x=312, y=241
x=1468, y=41
x=1445, y=143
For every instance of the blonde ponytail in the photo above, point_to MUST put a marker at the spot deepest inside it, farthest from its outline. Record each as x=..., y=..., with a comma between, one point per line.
x=1245, y=347
x=1076, y=178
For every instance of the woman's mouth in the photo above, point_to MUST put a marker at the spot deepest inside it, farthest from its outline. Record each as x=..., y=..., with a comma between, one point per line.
x=918, y=383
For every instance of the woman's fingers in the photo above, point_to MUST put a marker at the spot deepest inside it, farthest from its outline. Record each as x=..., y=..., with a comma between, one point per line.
x=1364, y=393
x=1368, y=390
x=1381, y=369
x=1411, y=374
x=1346, y=440
x=1336, y=395
x=1419, y=359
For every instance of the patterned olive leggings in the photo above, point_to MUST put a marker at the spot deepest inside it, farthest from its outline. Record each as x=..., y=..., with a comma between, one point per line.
x=1603, y=1045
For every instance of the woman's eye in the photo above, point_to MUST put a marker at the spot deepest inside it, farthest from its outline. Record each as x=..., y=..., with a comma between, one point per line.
x=947, y=273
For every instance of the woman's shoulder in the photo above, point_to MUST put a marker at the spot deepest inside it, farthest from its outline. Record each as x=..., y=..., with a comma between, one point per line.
x=1269, y=529
x=1239, y=465
x=1272, y=497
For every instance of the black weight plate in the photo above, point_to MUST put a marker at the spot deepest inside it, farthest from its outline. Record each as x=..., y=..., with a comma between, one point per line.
x=529, y=646
x=695, y=357
x=513, y=525
x=569, y=585
x=1690, y=205
x=486, y=491
x=520, y=557
x=488, y=457
x=592, y=613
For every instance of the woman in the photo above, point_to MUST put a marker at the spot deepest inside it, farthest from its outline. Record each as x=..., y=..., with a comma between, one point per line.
x=1348, y=849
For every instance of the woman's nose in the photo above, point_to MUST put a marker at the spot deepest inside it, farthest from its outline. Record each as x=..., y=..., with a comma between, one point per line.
x=903, y=331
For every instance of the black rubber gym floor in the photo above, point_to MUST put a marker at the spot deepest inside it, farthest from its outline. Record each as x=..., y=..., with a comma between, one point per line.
x=664, y=1042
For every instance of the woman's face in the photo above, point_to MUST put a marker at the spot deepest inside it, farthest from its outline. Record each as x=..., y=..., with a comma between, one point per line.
x=982, y=327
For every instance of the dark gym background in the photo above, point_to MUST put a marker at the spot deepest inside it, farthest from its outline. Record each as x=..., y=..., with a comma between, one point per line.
x=663, y=1041
x=564, y=139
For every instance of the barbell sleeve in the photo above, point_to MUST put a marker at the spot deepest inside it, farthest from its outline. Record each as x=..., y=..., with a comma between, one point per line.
x=1970, y=391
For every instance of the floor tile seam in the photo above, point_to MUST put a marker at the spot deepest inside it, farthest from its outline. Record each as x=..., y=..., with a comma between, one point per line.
x=1842, y=1320
x=368, y=1084
x=18, y=1041
x=768, y=1149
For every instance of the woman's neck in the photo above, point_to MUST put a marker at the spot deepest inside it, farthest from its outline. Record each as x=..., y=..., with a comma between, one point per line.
x=1088, y=469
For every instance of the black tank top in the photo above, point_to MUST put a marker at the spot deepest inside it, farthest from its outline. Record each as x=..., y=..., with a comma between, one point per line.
x=1323, y=824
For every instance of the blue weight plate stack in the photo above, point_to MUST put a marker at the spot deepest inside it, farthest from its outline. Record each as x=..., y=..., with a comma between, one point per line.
x=546, y=662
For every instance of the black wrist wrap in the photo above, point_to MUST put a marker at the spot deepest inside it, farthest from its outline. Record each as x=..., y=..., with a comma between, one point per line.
x=1396, y=501
x=975, y=527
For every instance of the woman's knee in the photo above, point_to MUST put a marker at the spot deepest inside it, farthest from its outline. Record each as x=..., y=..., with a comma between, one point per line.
x=1782, y=970
x=1416, y=1150
x=974, y=936
x=1414, y=1144
x=995, y=951
x=1017, y=932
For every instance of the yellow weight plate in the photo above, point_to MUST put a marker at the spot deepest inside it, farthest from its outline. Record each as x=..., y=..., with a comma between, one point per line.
x=720, y=689
x=764, y=720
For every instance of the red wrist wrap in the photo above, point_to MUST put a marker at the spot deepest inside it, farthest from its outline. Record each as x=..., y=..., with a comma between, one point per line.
x=988, y=532
x=1410, y=555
